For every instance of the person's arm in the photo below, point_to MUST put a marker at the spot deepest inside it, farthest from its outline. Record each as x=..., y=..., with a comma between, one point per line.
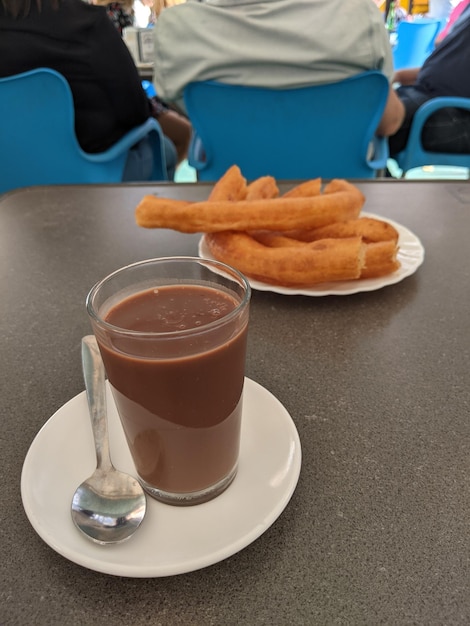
x=393, y=116
x=407, y=76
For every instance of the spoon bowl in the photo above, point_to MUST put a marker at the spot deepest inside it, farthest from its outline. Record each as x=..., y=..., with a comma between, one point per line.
x=109, y=506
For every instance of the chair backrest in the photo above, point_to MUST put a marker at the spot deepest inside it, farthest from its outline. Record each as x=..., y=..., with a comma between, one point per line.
x=322, y=130
x=414, y=154
x=415, y=42
x=38, y=145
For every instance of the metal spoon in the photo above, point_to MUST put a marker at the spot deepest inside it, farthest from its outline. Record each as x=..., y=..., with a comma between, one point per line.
x=109, y=506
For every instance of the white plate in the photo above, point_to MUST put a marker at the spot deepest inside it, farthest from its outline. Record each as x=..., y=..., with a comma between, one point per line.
x=410, y=255
x=172, y=540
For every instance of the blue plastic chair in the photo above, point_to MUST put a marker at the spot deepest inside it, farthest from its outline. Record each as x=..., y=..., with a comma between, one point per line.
x=414, y=154
x=415, y=42
x=324, y=130
x=38, y=145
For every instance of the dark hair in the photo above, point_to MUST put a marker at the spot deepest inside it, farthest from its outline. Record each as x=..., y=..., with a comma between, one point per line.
x=16, y=8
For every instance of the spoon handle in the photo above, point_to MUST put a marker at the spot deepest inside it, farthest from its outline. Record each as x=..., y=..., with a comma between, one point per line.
x=94, y=376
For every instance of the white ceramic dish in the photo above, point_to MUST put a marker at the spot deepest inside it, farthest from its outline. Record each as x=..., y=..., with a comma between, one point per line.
x=410, y=254
x=172, y=540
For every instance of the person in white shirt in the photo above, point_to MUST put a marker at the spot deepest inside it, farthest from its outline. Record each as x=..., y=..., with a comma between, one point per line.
x=272, y=43
x=440, y=9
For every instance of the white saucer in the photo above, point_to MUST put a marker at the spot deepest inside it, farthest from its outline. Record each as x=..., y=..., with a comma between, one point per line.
x=410, y=255
x=172, y=540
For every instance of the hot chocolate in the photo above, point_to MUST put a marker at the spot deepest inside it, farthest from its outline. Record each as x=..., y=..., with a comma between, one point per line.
x=179, y=396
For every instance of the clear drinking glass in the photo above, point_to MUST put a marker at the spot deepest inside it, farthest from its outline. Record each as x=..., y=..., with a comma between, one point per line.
x=172, y=333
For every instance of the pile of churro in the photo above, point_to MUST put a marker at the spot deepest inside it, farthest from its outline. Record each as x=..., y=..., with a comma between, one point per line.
x=309, y=235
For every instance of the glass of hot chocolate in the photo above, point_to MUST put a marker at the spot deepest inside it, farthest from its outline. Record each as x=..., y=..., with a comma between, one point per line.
x=172, y=333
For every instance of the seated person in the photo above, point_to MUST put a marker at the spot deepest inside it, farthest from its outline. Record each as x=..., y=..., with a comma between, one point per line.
x=444, y=73
x=453, y=17
x=175, y=127
x=272, y=43
x=79, y=41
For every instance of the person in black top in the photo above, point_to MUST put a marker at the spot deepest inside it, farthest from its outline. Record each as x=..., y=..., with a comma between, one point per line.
x=446, y=72
x=79, y=41
x=174, y=125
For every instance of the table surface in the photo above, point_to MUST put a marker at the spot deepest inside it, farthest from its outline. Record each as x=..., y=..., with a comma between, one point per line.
x=377, y=531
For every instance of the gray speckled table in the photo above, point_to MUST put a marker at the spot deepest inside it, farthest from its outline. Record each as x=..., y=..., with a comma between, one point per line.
x=378, y=529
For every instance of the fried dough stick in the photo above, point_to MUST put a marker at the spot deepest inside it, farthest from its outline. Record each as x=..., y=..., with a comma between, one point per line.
x=305, y=190
x=264, y=187
x=340, y=201
x=380, y=257
x=231, y=186
x=370, y=229
x=313, y=263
